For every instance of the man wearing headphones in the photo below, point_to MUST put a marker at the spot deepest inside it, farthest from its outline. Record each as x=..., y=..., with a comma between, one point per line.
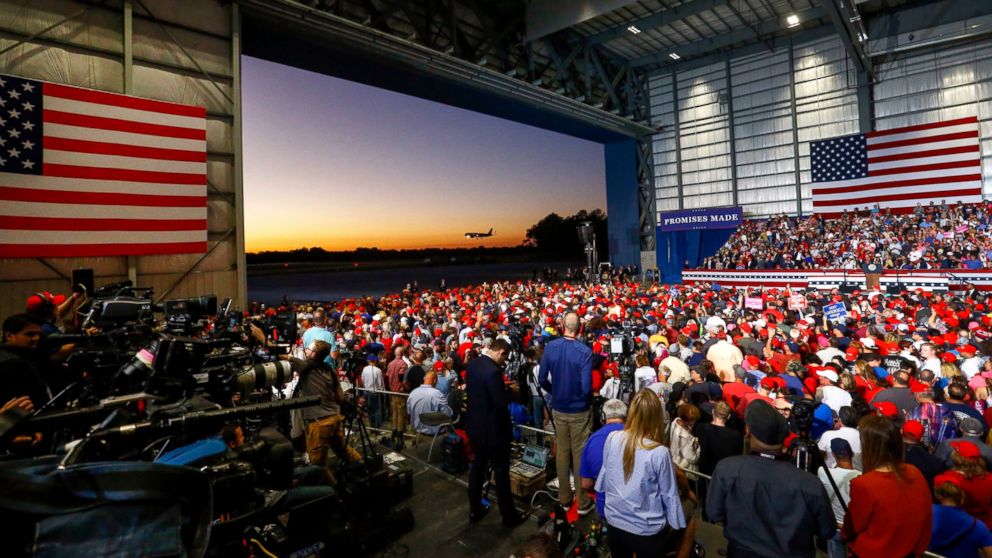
x=614, y=414
x=324, y=421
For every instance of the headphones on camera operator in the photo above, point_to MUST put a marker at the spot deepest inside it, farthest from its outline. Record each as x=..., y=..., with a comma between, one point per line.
x=47, y=303
x=348, y=407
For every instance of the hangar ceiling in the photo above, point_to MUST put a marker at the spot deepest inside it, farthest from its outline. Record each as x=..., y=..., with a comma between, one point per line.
x=597, y=65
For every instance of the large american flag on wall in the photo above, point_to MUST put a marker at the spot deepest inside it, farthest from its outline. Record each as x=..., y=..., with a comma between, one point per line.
x=898, y=168
x=89, y=173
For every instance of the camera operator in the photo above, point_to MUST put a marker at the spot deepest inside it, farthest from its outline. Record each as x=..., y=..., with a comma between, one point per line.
x=324, y=422
x=19, y=366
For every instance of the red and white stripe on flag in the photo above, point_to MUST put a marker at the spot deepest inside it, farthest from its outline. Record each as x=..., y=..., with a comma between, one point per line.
x=90, y=173
x=899, y=168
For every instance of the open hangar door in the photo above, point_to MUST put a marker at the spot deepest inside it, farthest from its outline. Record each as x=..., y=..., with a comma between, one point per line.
x=182, y=52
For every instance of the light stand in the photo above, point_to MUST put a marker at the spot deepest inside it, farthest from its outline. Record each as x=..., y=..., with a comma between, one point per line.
x=587, y=234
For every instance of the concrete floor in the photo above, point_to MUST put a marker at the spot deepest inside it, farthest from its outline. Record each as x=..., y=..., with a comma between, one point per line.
x=442, y=530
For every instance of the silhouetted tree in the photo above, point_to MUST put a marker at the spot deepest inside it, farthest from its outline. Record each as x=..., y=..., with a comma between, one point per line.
x=558, y=236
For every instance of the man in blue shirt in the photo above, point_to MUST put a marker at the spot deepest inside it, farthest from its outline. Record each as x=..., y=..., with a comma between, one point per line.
x=569, y=363
x=614, y=413
x=320, y=332
x=427, y=399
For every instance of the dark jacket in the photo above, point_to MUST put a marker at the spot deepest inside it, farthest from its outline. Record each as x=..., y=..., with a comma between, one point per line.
x=929, y=465
x=488, y=419
x=769, y=507
x=19, y=375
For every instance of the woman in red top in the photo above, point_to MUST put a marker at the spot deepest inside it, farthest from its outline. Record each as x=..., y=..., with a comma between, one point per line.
x=968, y=472
x=889, y=514
x=865, y=380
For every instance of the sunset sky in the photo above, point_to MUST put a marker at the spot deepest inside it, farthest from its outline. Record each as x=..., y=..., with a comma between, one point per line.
x=337, y=164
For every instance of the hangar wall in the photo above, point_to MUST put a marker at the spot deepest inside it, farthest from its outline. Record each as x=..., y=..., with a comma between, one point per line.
x=739, y=134
x=185, y=52
x=769, y=105
x=941, y=83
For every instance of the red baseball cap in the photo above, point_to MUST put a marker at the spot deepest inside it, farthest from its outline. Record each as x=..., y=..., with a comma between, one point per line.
x=887, y=409
x=771, y=382
x=967, y=449
x=852, y=354
x=37, y=302
x=439, y=365
x=913, y=429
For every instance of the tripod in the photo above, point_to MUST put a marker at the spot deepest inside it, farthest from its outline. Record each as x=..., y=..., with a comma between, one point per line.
x=808, y=458
x=371, y=460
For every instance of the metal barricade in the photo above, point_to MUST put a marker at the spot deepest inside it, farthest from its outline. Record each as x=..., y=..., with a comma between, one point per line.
x=377, y=401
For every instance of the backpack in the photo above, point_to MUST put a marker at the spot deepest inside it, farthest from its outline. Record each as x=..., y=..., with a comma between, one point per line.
x=453, y=458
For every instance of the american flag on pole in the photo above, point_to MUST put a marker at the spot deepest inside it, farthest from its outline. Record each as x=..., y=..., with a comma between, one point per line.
x=89, y=173
x=898, y=168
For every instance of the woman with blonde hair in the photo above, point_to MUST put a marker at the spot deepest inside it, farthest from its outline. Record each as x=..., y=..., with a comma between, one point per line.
x=865, y=380
x=950, y=371
x=638, y=482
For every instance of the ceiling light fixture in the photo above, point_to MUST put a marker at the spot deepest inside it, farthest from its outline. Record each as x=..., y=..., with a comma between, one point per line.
x=633, y=29
x=674, y=56
x=792, y=20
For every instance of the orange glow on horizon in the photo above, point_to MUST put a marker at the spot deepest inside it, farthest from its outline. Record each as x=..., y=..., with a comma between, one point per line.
x=353, y=230
x=340, y=165
x=333, y=244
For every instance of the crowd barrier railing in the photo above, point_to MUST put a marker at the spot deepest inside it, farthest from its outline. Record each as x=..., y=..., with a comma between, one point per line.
x=531, y=431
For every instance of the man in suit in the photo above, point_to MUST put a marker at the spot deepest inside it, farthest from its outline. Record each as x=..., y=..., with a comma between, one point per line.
x=490, y=430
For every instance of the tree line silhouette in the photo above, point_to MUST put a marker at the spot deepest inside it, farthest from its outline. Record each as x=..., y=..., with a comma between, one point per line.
x=553, y=237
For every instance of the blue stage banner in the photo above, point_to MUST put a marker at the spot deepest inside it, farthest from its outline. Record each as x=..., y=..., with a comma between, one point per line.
x=707, y=218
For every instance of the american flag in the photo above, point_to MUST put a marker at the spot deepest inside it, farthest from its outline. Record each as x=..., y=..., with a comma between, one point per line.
x=898, y=168
x=89, y=173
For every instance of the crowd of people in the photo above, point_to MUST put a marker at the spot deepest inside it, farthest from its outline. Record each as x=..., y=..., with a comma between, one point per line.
x=672, y=404
x=897, y=396
x=936, y=236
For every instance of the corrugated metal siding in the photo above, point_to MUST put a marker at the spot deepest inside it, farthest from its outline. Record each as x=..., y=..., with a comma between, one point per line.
x=765, y=137
x=940, y=83
x=826, y=101
x=88, y=52
x=705, y=137
x=666, y=178
x=766, y=173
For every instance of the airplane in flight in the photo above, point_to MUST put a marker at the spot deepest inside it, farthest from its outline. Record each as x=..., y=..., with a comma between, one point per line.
x=479, y=235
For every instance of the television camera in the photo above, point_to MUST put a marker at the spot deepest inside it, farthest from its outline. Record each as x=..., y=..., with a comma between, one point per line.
x=153, y=384
x=622, y=348
x=281, y=330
